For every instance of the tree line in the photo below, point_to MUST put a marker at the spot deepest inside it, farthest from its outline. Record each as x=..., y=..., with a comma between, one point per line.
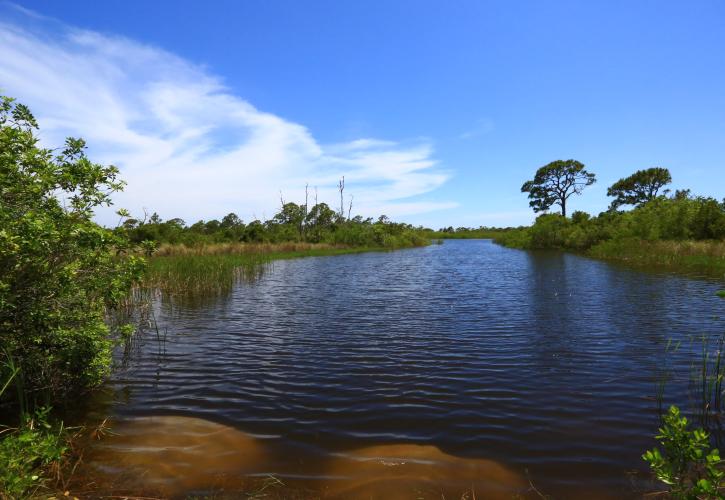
x=656, y=214
x=293, y=223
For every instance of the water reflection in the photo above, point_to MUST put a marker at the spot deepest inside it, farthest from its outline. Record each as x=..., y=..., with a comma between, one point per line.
x=538, y=361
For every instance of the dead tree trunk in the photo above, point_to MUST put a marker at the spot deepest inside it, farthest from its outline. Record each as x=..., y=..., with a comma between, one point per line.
x=341, y=188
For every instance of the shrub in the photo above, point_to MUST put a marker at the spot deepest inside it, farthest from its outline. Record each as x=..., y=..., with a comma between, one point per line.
x=686, y=463
x=59, y=271
x=27, y=453
x=549, y=231
x=678, y=218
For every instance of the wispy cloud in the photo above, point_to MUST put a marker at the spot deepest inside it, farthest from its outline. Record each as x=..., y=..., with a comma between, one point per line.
x=482, y=126
x=186, y=145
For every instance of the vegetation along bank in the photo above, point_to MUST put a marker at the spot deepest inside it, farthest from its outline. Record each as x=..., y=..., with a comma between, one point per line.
x=63, y=277
x=65, y=282
x=672, y=230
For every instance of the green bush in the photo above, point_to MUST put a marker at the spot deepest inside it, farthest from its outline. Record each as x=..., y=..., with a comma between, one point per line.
x=686, y=463
x=28, y=453
x=678, y=218
x=59, y=271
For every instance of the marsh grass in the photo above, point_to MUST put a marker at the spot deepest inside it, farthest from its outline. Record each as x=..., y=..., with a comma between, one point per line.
x=193, y=274
x=709, y=375
x=691, y=255
x=167, y=250
x=706, y=381
x=214, y=269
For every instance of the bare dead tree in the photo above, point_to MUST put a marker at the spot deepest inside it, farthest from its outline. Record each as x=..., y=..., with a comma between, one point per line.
x=303, y=222
x=349, y=209
x=341, y=188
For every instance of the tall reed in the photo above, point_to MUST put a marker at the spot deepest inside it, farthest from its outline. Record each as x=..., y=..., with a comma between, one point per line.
x=708, y=375
x=167, y=250
x=214, y=269
x=695, y=255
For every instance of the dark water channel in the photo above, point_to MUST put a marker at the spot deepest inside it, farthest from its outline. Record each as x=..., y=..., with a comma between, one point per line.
x=538, y=362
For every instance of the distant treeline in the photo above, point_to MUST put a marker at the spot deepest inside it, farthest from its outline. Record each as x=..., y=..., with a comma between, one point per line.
x=293, y=223
x=468, y=233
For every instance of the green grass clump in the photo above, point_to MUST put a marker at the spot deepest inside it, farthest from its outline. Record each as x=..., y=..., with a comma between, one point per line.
x=215, y=269
x=720, y=293
x=690, y=255
x=200, y=273
x=30, y=455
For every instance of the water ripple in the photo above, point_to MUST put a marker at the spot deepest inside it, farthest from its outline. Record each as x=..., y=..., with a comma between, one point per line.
x=542, y=361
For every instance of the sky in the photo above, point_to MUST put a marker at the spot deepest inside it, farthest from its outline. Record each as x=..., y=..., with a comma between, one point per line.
x=435, y=112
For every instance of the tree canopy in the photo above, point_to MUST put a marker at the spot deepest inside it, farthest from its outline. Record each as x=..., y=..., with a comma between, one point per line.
x=554, y=183
x=640, y=187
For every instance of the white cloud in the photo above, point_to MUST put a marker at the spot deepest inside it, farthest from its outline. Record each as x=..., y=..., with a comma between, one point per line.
x=186, y=145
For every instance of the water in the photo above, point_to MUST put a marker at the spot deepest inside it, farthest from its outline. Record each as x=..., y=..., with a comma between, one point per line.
x=465, y=352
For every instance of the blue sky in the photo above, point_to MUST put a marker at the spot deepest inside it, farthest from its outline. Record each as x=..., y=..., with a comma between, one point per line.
x=436, y=112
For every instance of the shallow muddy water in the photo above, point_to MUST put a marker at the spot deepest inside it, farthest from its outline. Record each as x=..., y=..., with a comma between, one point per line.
x=455, y=367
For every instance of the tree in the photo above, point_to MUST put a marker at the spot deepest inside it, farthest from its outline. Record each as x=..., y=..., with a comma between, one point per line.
x=640, y=187
x=321, y=216
x=579, y=217
x=554, y=183
x=176, y=222
x=708, y=223
x=212, y=226
x=682, y=194
x=253, y=232
x=59, y=271
x=291, y=213
x=231, y=220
